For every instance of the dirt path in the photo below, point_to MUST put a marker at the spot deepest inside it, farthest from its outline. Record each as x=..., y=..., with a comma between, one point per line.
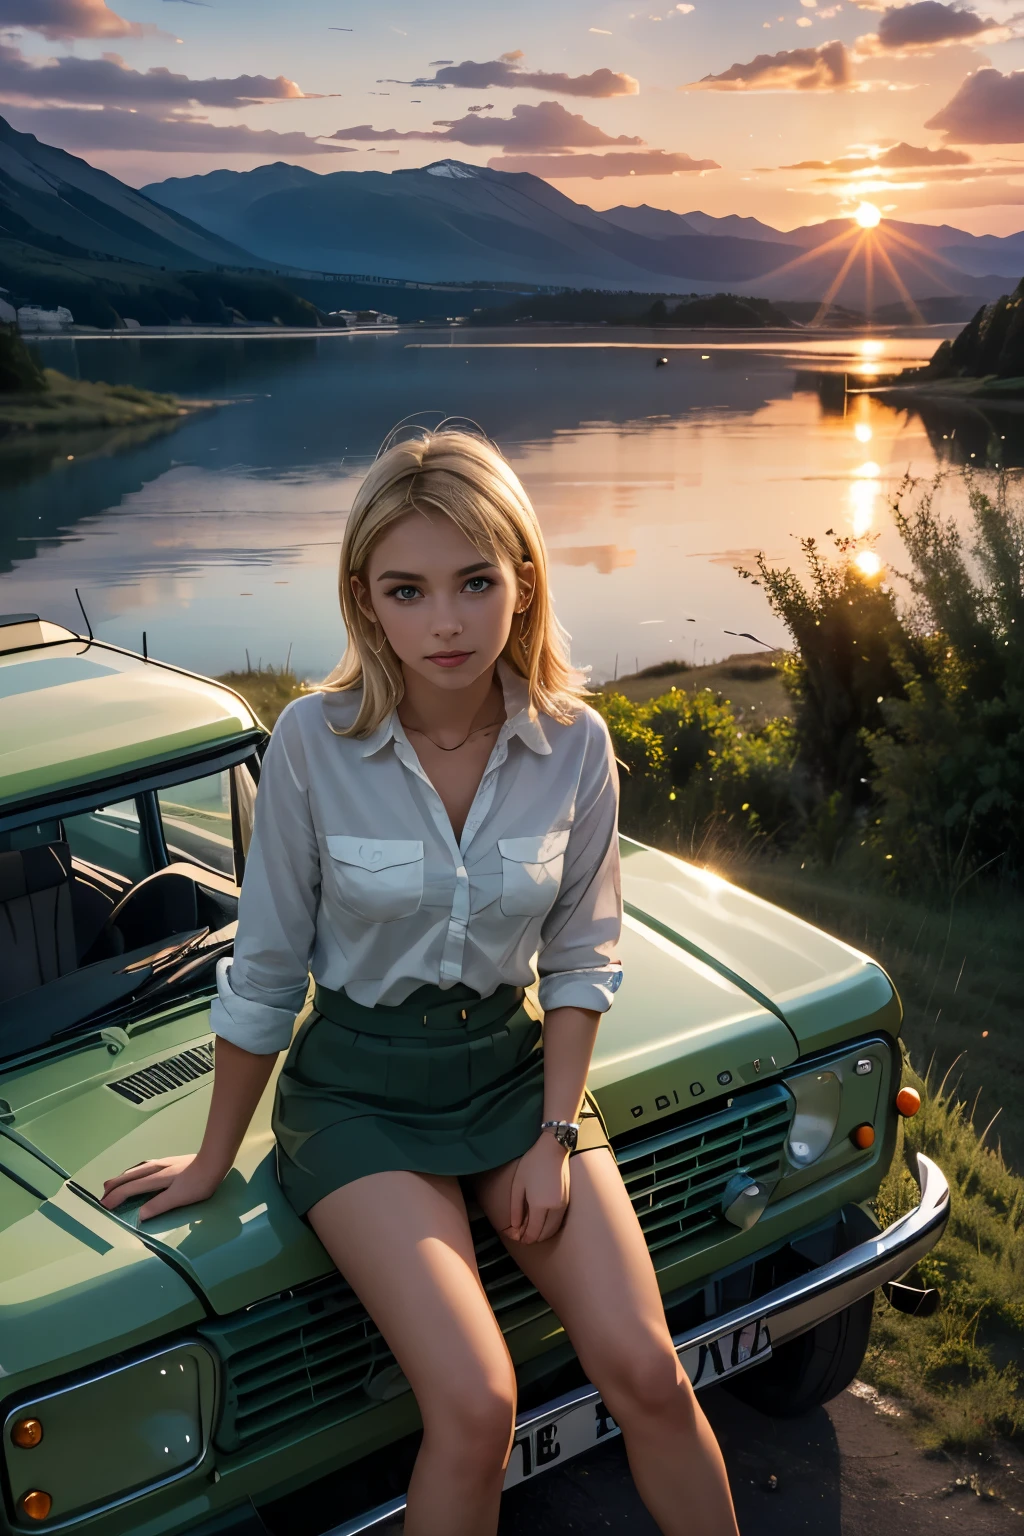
x=848, y=1470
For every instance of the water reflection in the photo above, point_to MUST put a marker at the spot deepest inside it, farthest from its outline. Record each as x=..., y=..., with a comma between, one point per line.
x=653, y=484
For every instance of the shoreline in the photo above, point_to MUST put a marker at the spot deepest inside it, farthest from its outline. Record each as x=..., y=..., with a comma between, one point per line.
x=972, y=393
x=665, y=334
x=77, y=405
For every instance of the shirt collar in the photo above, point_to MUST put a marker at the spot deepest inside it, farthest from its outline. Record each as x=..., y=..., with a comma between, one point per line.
x=521, y=720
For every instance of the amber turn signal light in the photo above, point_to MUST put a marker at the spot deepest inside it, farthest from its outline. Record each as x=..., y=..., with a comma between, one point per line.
x=863, y=1136
x=908, y=1102
x=35, y=1504
x=26, y=1433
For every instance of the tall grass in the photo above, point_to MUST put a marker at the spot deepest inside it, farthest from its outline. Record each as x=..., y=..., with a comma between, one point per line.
x=266, y=689
x=958, y=1372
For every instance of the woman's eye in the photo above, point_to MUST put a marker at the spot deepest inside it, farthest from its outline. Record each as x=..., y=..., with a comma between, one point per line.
x=404, y=594
x=478, y=584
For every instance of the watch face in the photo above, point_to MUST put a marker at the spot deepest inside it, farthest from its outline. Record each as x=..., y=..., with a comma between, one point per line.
x=569, y=1137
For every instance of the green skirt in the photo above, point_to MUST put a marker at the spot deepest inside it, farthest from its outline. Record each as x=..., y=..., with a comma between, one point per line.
x=445, y=1083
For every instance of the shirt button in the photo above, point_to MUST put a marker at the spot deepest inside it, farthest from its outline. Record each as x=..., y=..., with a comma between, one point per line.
x=461, y=872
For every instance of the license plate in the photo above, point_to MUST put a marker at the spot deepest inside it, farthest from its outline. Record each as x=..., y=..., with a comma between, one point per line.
x=577, y=1427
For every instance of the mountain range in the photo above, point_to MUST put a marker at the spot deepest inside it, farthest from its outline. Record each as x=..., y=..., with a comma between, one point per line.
x=450, y=223
x=465, y=222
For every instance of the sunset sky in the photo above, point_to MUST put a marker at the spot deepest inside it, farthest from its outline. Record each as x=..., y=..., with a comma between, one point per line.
x=793, y=114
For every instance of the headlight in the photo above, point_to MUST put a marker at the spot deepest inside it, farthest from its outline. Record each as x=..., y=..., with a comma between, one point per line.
x=113, y=1436
x=819, y=1099
x=838, y=1098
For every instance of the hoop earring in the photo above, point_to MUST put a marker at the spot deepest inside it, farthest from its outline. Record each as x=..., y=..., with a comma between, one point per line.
x=380, y=647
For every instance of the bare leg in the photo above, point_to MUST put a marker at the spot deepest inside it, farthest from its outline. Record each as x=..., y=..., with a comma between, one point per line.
x=597, y=1274
x=402, y=1241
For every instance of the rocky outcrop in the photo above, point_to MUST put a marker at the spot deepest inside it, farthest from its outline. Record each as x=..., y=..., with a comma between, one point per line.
x=991, y=344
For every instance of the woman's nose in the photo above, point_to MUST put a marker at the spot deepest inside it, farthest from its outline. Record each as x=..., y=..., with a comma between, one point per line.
x=446, y=623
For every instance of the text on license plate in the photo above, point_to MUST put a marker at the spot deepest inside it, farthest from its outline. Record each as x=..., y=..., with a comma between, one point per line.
x=576, y=1428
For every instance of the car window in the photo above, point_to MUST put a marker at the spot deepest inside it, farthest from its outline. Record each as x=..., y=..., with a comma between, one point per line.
x=112, y=838
x=197, y=822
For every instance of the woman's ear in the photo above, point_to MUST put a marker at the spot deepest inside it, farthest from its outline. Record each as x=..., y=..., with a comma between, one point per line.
x=526, y=581
x=362, y=598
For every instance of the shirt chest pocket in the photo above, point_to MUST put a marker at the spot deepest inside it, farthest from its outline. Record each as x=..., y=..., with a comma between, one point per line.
x=531, y=872
x=381, y=879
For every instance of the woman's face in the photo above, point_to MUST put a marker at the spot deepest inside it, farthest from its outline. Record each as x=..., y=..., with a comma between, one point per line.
x=445, y=608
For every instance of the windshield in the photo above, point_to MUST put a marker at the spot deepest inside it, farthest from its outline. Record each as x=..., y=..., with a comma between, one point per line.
x=104, y=909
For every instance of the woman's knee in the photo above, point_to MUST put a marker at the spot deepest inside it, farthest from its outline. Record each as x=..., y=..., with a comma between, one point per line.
x=643, y=1377
x=470, y=1422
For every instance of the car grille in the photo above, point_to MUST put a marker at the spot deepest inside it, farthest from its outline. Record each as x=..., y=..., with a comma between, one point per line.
x=316, y=1348
x=676, y=1180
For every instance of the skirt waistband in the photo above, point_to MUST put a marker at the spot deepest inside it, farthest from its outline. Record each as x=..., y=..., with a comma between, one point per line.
x=454, y=1011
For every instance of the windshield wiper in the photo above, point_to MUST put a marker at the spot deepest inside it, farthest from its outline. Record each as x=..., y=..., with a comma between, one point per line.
x=82, y=999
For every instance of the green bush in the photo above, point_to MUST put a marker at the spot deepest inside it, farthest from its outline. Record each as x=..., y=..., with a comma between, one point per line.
x=845, y=627
x=948, y=766
x=691, y=773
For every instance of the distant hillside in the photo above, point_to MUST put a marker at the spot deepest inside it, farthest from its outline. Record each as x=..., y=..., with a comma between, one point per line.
x=105, y=293
x=56, y=202
x=587, y=306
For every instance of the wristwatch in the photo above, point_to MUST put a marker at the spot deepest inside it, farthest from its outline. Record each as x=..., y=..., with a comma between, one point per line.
x=565, y=1132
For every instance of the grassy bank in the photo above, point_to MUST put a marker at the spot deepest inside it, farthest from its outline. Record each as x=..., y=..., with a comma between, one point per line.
x=957, y=970
x=68, y=405
x=957, y=1374
x=750, y=683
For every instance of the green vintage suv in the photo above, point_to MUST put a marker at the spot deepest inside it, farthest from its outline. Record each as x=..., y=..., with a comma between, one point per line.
x=209, y=1371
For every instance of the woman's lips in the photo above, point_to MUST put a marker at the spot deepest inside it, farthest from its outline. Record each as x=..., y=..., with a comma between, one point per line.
x=449, y=658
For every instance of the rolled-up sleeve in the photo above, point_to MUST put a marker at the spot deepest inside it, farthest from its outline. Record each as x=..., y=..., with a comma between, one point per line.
x=261, y=990
x=577, y=962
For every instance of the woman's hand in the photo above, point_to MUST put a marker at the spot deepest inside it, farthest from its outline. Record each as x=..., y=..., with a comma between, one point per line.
x=540, y=1192
x=175, y=1180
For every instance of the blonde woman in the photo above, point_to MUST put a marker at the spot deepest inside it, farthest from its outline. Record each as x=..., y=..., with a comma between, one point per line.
x=439, y=814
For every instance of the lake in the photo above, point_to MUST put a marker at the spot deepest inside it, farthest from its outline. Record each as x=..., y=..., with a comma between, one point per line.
x=653, y=483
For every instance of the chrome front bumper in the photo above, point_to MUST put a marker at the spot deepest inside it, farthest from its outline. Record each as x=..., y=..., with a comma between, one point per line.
x=788, y=1311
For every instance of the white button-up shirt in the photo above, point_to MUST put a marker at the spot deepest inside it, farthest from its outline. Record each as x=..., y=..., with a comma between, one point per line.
x=355, y=875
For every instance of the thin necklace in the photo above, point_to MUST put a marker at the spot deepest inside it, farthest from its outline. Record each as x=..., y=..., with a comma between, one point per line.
x=474, y=732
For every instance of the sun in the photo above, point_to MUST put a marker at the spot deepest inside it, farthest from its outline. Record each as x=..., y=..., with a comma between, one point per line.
x=867, y=216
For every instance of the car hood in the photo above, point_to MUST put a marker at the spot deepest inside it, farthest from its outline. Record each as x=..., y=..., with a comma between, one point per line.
x=721, y=991
x=245, y=1243
x=822, y=987
x=75, y=1287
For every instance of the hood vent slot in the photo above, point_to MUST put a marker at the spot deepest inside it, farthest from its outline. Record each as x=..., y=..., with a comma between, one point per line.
x=166, y=1076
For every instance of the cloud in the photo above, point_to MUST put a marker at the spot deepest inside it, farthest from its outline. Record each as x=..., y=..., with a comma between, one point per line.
x=952, y=174
x=109, y=81
x=547, y=126
x=926, y=24
x=898, y=157
x=825, y=68
x=648, y=162
x=988, y=108
x=121, y=128
x=60, y=20
x=507, y=72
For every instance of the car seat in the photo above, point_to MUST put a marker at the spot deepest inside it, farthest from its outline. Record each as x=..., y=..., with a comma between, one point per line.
x=37, y=930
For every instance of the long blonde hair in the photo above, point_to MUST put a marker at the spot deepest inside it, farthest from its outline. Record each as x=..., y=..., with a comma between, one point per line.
x=464, y=478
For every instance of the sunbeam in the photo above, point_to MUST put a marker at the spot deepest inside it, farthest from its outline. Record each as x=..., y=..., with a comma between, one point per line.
x=837, y=282
x=817, y=250
x=901, y=287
